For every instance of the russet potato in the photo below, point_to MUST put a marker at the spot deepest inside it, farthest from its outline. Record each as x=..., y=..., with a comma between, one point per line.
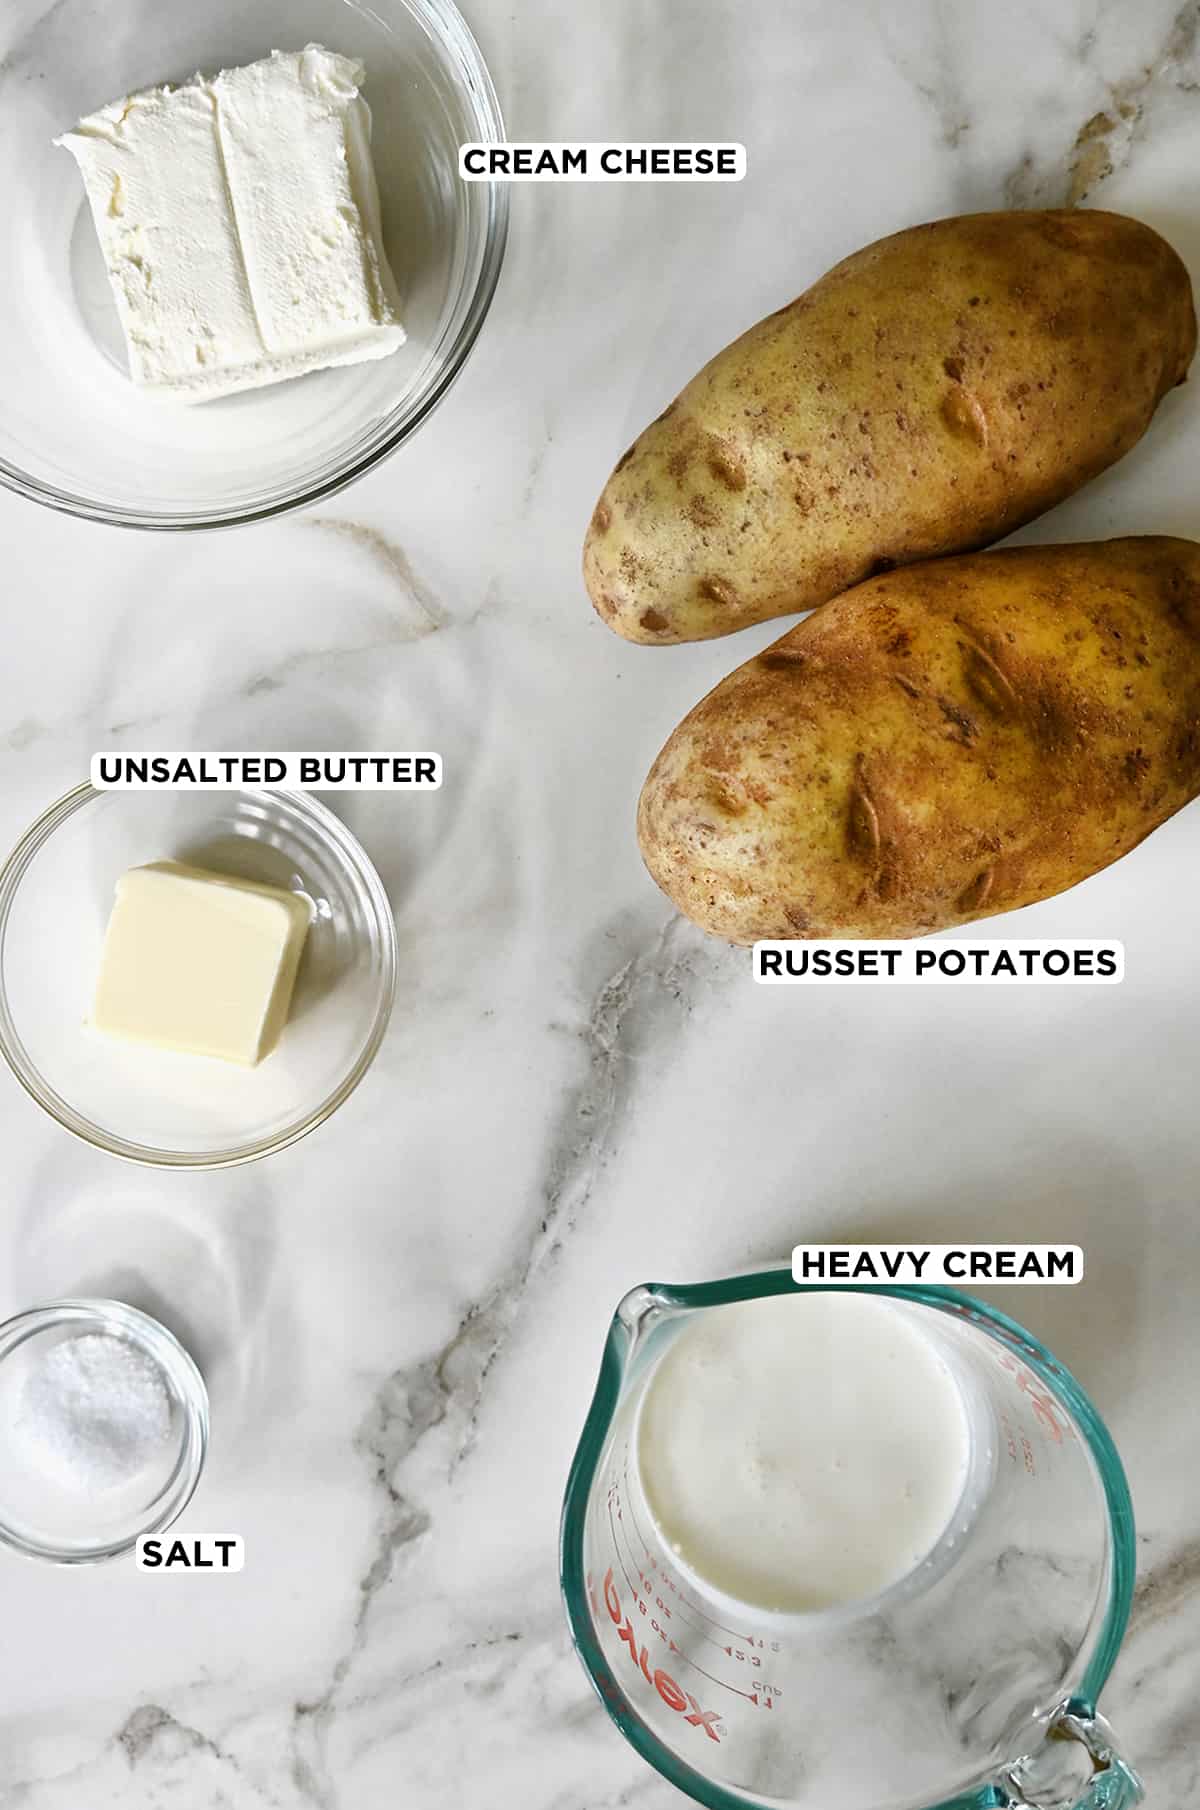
x=939, y=744
x=928, y=395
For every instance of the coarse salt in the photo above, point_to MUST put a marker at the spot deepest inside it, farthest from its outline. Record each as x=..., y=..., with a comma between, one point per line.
x=94, y=1410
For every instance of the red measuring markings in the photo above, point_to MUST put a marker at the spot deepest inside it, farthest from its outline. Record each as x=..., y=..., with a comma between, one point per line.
x=1040, y=1400
x=669, y=1583
x=671, y=1693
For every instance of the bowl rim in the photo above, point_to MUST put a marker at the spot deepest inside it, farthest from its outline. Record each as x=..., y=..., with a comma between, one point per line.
x=451, y=30
x=121, y=1319
x=12, y=1046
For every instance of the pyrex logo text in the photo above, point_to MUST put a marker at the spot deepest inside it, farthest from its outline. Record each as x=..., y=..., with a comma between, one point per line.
x=663, y=1683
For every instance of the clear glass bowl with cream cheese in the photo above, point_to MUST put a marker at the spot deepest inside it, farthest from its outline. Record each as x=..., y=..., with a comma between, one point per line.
x=161, y=1106
x=98, y=1453
x=74, y=432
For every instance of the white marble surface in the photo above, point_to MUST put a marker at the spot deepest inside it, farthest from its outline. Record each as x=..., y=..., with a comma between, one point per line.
x=401, y=1317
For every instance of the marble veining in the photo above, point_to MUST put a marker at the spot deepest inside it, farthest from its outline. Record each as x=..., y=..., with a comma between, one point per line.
x=401, y=1318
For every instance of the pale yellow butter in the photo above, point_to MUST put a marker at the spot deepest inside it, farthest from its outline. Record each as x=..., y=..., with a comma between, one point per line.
x=200, y=962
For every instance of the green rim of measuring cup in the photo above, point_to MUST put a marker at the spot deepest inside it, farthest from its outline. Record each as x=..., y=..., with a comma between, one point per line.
x=779, y=1282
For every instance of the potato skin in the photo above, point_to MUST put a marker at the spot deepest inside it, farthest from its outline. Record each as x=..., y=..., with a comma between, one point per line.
x=927, y=396
x=937, y=746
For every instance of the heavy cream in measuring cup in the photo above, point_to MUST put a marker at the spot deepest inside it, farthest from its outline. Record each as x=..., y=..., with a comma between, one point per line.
x=803, y=1451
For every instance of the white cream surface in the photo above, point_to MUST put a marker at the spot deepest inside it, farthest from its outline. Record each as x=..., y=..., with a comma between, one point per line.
x=239, y=222
x=803, y=1451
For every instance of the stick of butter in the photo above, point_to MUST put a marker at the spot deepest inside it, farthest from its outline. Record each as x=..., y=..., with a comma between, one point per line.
x=199, y=962
x=239, y=221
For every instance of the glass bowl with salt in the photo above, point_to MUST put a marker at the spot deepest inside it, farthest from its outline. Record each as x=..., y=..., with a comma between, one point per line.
x=103, y=1428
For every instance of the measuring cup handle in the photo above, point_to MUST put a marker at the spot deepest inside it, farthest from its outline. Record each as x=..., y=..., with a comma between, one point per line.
x=1077, y=1764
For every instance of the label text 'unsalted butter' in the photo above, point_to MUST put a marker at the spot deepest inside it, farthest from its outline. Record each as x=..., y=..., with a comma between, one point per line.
x=195, y=772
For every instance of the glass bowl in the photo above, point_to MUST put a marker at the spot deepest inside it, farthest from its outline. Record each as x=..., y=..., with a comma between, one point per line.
x=74, y=432
x=157, y=1106
x=41, y=1513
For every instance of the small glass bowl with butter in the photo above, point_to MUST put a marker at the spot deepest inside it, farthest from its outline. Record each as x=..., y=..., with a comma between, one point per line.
x=103, y=1428
x=168, y=1105
x=150, y=273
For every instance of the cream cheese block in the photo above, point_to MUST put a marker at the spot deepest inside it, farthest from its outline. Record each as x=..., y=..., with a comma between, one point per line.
x=199, y=962
x=239, y=222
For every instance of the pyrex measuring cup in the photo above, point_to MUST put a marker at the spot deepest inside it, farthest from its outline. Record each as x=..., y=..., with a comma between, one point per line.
x=970, y=1684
